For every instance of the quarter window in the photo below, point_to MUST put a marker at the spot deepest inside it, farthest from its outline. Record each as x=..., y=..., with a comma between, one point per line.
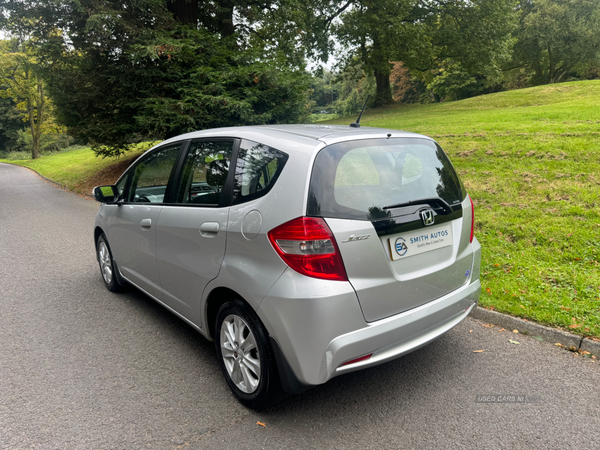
x=258, y=167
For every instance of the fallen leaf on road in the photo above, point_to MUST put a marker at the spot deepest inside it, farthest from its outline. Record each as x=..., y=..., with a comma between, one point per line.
x=477, y=351
x=470, y=331
x=501, y=329
x=558, y=344
x=261, y=424
x=487, y=325
x=513, y=342
x=516, y=331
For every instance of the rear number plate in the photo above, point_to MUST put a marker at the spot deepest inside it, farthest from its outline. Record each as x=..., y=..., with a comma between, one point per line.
x=419, y=241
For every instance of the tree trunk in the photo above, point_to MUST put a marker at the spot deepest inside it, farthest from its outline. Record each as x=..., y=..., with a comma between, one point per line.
x=35, y=149
x=35, y=144
x=225, y=17
x=185, y=11
x=384, y=90
x=382, y=72
x=36, y=130
x=551, y=67
x=218, y=18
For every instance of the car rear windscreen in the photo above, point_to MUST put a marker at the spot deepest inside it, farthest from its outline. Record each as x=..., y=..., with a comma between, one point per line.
x=362, y=179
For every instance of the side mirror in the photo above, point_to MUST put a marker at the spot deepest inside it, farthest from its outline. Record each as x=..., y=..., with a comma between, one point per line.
x=106, y=194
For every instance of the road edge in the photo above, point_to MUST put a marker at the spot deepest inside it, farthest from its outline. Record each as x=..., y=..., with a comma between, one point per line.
x=58, y=185
x=570, y=341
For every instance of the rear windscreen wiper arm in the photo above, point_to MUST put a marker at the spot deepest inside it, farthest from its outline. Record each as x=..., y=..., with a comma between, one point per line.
x=433, y=201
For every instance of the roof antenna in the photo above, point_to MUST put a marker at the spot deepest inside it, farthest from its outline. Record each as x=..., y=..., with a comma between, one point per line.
x=357, y=123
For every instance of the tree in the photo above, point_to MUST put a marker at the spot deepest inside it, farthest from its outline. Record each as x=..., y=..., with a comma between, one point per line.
x=554, y=36
x=423, y=33
x=11, y=122
x=149, y=69
x=325, y=89
x=405, y=87
x=21, y=81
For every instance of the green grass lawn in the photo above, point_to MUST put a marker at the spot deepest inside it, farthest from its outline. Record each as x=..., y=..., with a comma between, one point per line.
x=73, y=169
x=531, y=161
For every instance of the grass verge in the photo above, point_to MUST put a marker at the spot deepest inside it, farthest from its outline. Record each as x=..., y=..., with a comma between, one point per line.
x=79, y=170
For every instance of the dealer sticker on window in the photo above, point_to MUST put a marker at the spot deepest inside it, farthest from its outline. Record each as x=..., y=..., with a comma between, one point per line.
x=420, y=241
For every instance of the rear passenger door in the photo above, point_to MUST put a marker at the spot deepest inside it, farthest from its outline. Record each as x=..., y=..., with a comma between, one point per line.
x=192, y=231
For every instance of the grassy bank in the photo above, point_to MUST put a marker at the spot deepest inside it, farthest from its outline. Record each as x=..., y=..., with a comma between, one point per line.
x=531, y=161
x=79, y=170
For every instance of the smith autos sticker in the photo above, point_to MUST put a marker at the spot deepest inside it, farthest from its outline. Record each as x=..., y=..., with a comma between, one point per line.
x=420, y=241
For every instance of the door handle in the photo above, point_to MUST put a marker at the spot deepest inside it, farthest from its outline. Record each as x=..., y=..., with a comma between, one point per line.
x=146, y=223
x=209, y=229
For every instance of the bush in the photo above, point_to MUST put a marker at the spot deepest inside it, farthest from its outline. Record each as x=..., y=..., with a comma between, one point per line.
x=49, y=143
x=15, y=155
x=405, y=87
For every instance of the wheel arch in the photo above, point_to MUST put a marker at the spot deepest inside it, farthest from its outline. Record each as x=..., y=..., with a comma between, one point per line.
x=97, y=232
x=217, y=298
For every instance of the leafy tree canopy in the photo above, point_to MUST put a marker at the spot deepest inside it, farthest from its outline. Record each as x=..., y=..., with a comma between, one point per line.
x=11, y=122
x=554, y=36
x=21, y=81
x=424, y=33
x=124, y=71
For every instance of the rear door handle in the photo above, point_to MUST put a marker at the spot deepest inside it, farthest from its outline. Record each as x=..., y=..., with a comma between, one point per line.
x=209, y=229
x=146, y=223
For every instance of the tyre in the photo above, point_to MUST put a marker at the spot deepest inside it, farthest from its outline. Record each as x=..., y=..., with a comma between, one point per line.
x=246, y=357
x=107, y=265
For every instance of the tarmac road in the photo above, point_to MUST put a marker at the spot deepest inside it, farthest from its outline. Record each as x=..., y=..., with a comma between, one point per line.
x=83, y=368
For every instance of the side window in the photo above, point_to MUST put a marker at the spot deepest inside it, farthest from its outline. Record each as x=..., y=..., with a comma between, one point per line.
x=121, y=184
x=205, y=172
x=257, y=169
x=151, y=175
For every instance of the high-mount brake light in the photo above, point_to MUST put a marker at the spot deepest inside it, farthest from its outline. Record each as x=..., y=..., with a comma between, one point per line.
x=307, y=245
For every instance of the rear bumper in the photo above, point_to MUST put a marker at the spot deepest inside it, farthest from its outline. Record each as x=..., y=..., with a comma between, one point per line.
x=401, y=334
x=313, y=336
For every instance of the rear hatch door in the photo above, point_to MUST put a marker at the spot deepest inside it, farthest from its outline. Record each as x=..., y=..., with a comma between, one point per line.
x=400, y=217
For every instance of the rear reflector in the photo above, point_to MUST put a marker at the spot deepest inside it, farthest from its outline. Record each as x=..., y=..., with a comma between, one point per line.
x=472, y=220
x=307, y=245
x=362, y=358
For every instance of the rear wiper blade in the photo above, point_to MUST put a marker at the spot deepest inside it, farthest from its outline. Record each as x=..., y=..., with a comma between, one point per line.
x=433, y=201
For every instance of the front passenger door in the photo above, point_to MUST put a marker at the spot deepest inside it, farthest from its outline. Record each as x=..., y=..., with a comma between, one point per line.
x=133, y=228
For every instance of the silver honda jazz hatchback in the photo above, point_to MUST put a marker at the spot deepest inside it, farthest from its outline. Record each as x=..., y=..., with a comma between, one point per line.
x=305, y=252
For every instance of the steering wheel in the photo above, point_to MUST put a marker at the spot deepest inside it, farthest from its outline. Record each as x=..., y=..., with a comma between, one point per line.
x=142, y=199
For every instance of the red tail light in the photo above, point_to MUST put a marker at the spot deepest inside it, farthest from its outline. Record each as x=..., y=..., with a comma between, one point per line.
x=307, y=245
x=472, y=220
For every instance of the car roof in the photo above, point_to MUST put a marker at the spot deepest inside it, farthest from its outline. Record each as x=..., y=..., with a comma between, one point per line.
x=311, y=136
